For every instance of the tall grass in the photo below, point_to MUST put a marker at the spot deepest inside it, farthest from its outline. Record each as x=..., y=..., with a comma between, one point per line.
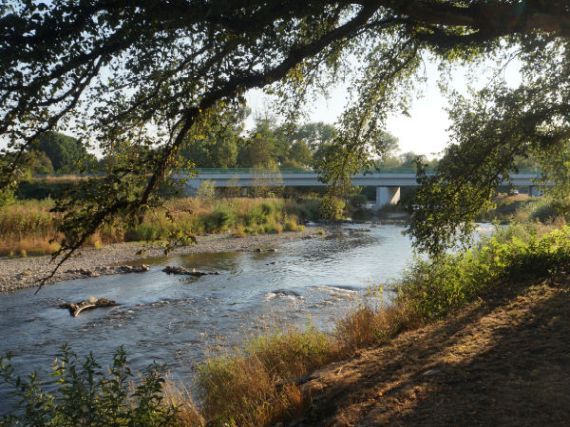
x=29, y=227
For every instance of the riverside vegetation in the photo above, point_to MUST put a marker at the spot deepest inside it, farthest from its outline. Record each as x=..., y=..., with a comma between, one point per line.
x=29, y=227
x=260, y=384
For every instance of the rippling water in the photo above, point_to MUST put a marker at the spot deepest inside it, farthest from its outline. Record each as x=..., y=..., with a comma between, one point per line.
x=177, y=321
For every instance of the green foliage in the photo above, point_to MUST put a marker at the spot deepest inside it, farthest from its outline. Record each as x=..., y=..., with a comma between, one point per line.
x=87, y=395
x=67, y=155
x=40, y=163
x=259, y=151
x=220, y=220
x=207, y=190
x=299, y=156
x=214, y=142
x=435, y=287
x=332, y=208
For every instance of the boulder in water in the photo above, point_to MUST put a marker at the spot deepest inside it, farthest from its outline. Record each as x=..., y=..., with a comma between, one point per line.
x=133, y=268
x=178, y=270
x=77, y=307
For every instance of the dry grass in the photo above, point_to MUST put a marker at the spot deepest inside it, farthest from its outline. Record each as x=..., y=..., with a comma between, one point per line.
x=258, y=385
x=241, y=392
x=29, y=227
x=188, y=414
x=367, y=326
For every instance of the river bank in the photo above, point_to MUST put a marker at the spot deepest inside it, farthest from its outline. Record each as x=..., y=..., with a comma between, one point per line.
x=19, y=273
x=503, y=360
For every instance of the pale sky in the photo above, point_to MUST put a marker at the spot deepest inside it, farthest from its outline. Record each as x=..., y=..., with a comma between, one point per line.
x=424, y=131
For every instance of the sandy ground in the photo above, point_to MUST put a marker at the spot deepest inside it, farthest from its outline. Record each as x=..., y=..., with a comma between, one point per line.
x=17, y=273
x=504, y=361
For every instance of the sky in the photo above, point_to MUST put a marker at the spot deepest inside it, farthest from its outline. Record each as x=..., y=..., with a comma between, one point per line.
x=425, y=129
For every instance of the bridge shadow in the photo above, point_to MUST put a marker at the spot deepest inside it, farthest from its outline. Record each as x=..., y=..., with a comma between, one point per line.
x=506, y=362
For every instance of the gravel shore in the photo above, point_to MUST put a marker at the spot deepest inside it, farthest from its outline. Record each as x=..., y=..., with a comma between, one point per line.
x=18, y=273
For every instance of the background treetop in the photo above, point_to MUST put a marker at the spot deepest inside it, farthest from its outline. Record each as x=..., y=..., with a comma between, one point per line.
x=147, y=74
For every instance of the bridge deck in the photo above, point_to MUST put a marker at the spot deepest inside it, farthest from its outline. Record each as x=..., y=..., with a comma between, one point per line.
x=303, y=178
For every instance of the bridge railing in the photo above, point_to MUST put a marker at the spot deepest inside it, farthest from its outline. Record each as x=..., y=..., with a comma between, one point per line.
x=269, y=172
x=254, y=171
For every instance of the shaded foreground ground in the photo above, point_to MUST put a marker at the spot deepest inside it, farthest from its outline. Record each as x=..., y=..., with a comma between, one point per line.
x=502, y=361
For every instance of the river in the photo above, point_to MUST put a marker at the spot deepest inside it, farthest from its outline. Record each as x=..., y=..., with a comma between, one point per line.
x=178, y=321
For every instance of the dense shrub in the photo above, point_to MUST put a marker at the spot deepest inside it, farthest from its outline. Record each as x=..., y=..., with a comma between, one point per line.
x=220, y=220
x=435, y=287
x=332, y=208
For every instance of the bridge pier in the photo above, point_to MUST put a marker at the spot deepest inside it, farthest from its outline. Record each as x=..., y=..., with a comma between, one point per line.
x=387, y=196
x=534, y=191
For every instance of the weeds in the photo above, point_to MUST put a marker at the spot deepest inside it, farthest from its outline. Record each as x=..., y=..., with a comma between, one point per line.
x=258, y=385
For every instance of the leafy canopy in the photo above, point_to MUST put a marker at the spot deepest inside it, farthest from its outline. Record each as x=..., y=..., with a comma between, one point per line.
x=146, y=74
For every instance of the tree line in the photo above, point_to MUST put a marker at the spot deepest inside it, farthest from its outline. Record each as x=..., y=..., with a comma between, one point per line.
x=267, y=145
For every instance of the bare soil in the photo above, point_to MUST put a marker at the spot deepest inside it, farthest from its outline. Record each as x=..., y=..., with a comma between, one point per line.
x=17, y=273
x=504, y=361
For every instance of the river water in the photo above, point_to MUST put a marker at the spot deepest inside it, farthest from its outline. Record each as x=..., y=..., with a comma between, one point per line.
x=178, y=321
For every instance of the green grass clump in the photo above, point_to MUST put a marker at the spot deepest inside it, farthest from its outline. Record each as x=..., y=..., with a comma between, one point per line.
x=292, y=224
x=219, y=221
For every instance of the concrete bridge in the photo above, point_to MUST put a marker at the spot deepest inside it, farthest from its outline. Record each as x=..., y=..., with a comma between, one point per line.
x=387, y=182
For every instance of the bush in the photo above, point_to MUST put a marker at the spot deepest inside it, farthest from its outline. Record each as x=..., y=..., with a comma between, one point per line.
x=436, y=287
x=332, y=208
x=219, y=221
x=547, y=210
x=207, y=190
x=85, y=395
x=358, y=201
x=292, y=224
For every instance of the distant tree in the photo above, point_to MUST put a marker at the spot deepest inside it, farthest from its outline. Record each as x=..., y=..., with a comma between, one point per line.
x=408, y=159
x=258, y=150
x=315, y=134
x=40, y=163
x=215, y=142
x=299, y=155
x=67, y=154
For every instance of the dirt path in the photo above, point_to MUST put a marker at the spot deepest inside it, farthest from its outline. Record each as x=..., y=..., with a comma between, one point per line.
x=17, y=273
x=504, y=361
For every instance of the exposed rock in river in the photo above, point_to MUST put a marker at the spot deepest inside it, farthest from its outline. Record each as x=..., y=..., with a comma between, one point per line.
x=77, y=307
x=170, y=269
x=121, y=269
x=83, y=272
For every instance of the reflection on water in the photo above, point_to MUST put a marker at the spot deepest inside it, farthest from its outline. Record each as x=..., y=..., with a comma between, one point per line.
x=178, y=320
